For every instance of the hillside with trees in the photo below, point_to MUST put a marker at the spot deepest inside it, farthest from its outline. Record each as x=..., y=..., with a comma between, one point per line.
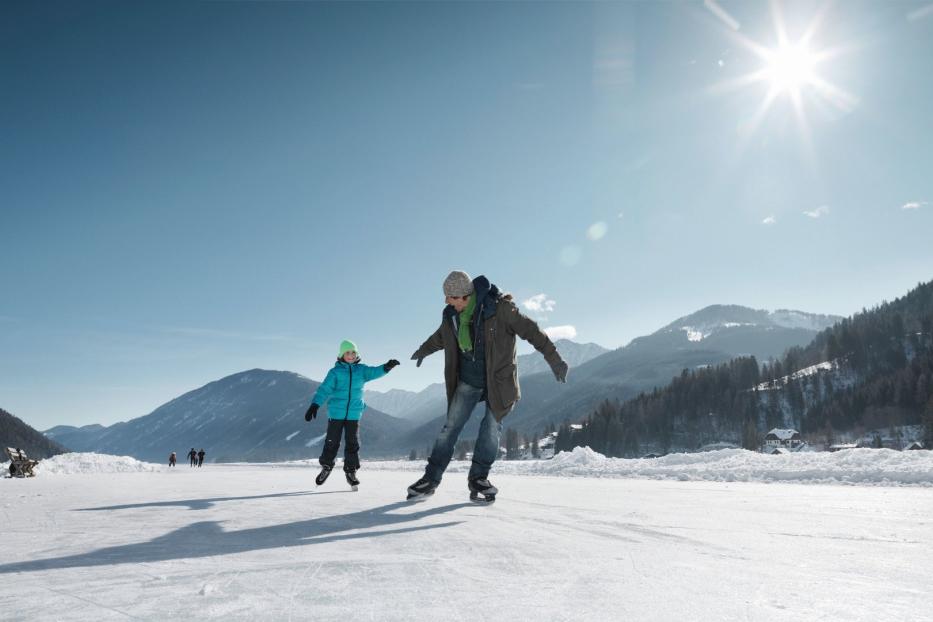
x=17, y=434
x=873, y=370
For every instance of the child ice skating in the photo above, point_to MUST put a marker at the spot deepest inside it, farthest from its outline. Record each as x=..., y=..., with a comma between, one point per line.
x=342, y=391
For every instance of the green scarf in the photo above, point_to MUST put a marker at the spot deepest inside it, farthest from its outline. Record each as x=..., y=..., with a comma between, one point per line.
x=466, y=318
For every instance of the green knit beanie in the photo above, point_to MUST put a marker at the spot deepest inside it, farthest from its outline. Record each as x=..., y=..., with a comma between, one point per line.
x=346, y=346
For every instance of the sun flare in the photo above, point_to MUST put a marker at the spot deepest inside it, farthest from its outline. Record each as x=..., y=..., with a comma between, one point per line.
x=789, y=68
x=792, y=72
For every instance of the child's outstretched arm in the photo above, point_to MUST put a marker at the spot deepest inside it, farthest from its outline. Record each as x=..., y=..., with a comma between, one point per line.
x=378, y=371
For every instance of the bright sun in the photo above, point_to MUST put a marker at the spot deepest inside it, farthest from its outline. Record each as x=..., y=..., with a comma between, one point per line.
x=793, y=70
x=789, y=68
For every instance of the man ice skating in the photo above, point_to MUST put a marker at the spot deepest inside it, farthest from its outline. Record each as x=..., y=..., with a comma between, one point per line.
x=171, y=459
x=477, y=334
x=201, y=457
x=192, y=457
x=342, y=389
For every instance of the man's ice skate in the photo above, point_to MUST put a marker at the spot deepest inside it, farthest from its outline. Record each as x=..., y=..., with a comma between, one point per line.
x=322, y=476
x=482, y=491
x=422, y=489
x=351, y=479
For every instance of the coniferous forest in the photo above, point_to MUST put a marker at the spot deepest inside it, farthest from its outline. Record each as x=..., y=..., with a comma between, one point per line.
x=881, y=376
x=16, y=434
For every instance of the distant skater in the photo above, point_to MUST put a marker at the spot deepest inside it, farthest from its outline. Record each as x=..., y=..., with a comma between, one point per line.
x=342, y=390
x=200, y=457
x=192, y=457
x=172, y=458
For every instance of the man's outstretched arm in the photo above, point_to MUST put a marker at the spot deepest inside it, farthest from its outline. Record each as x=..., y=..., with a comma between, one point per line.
x=528, y=329
x=431, y=345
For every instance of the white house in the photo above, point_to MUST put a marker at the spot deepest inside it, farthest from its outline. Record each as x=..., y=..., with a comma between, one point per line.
x=546, y=446
x=782, y=438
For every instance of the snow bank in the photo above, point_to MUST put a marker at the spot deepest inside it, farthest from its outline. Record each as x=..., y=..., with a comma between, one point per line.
x=882, y=467
x=874, y=467
x=67, y=464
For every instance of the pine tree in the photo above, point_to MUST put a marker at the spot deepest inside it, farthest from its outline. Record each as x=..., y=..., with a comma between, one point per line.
x=511, y=444
x=928, y=425
x=750, y=435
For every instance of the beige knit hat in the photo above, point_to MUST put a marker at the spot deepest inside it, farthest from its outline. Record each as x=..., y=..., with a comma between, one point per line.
x=458, y=283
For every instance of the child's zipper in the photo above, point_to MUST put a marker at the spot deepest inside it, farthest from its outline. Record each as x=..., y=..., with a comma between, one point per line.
x=349, y=392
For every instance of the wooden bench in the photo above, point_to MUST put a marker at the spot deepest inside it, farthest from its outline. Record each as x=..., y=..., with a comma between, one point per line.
x=20, y=465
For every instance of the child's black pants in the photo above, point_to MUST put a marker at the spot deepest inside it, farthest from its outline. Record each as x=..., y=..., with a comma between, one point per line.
x=351, y=453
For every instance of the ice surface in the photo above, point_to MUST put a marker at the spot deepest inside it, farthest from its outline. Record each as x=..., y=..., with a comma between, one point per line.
x=573, y=538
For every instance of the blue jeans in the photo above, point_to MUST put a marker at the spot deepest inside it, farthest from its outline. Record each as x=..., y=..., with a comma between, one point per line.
x=466, y=397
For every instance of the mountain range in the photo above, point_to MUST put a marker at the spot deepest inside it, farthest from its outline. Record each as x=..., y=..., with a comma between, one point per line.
x=257, y=415
x=872, y=371
x=253, y=416
x=713, y=335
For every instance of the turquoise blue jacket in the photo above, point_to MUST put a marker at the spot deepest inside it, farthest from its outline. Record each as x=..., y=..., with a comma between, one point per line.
x=342, y=389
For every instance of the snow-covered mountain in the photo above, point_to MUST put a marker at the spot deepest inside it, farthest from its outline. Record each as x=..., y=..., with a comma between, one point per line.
x=72, y=436
x=408, y=405
x=396, y=402
x=740, y=330
x=256, y=415
x=710, y=336
x=574, y=353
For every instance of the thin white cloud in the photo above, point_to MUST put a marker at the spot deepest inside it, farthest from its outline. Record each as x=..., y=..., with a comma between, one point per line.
x=913, y=205
x=770, y=220
x=561, y=332
x=222, y=334
x=819, y=212
x=539, y=304
x=918, y=14
x=713, y=7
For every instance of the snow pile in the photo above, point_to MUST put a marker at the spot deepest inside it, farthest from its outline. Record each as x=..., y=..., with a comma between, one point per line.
x=857, y=466
x=882, y=467
x=71, y=463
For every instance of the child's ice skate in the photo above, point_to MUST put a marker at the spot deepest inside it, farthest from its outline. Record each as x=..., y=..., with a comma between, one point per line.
x=351, y=479
x=323, y=475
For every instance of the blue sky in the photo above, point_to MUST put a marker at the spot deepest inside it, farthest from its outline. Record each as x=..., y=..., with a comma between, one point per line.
x=194, y=189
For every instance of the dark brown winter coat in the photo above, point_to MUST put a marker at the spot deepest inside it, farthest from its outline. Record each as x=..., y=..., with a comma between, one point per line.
x=500, y=326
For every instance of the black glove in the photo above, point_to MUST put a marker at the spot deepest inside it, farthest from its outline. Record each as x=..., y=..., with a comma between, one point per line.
x=560, y=371
x=312, y=412
x=390, y=364
x=415, y=357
